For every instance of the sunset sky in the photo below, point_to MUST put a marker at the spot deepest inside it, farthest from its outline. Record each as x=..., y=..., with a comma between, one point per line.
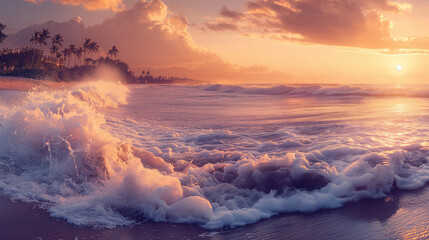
x=297, y=41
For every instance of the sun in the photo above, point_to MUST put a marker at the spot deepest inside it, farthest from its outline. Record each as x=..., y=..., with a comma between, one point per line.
x=399, y=67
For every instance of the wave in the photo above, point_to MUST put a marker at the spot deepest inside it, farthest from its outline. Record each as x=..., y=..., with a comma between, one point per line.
x=321, y=90
x=58, y=152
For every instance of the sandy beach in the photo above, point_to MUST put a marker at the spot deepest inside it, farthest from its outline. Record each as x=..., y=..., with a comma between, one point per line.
x=25, y=84
x=17, y=83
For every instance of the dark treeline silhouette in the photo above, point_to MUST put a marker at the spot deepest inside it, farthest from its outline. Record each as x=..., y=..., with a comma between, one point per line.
x=2, y=35
x=149, y=79
x=70, y=63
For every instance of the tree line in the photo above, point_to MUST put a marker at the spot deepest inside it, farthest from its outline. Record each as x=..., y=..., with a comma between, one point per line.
x=65, y=55
x=67, y=63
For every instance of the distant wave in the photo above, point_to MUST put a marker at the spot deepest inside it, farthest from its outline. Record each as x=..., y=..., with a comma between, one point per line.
x=321, y=90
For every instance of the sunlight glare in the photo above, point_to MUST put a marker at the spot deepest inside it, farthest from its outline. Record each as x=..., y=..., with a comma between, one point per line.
x=399, y=67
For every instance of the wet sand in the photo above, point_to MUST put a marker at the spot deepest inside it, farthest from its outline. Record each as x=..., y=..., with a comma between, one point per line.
x=402, y=215
x=25, y=84
x=17, y=83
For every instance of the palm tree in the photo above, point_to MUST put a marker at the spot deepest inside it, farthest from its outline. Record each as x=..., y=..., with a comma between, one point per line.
x=64, y=53
x=113, y=52
x=86, y=47
x=58, y=40
x=34, y=40
x=57, y=44
x=54, y=49
x=2, y=35
x=87, y=61
x=43, y=36
x=58, y=56
x=72, y=49
x=93, y=47
x=78, y=54
x=67, y=54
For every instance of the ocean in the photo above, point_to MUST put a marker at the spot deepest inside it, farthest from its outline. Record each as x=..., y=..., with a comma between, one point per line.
x=104, y=155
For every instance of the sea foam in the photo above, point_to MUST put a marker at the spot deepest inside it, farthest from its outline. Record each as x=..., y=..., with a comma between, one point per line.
x=61, y=151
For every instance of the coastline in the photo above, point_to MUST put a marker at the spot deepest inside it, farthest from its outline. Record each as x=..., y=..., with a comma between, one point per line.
x=390, y=218
x=18, y=83
x=25, y=84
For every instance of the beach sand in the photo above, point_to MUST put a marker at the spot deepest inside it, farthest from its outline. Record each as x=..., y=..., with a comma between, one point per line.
x=17, y=83
x=25, y=84
x=401, y=215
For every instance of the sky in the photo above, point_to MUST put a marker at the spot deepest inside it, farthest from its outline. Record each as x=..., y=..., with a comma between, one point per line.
x=254, y=41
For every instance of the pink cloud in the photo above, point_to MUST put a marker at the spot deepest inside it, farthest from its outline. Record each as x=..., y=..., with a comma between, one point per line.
x=115, y=5
x=222, y=26
x=353, y=23
x=147, y=36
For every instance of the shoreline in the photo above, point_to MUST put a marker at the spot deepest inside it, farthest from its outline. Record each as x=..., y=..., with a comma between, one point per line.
x=390, y=218
x=26, y=84
x=18, y=83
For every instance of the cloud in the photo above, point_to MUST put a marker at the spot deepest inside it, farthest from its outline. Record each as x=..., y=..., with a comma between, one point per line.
x=179, y=22
x=222, y=26
x=388, y=6
x=114, y=5
x=147, y=37
x=230, y=14
x=150, y=37
x=351, y=23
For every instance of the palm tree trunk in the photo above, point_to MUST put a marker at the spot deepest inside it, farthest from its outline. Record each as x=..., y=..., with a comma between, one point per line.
x=41, y=54
x=32, y=59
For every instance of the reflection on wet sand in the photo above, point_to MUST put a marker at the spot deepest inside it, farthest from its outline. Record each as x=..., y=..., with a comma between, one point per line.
x=401, y=215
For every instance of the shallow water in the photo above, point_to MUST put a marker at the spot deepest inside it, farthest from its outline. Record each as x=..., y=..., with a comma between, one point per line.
x=212, y=155
x=399, y=216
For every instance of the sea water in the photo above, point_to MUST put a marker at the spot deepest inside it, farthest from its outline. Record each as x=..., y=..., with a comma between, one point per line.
x=103, y=154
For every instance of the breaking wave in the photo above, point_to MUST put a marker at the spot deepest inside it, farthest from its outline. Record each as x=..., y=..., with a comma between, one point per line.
x=59, y=152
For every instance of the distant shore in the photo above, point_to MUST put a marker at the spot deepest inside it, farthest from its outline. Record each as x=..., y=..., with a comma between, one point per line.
x=25, y=84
